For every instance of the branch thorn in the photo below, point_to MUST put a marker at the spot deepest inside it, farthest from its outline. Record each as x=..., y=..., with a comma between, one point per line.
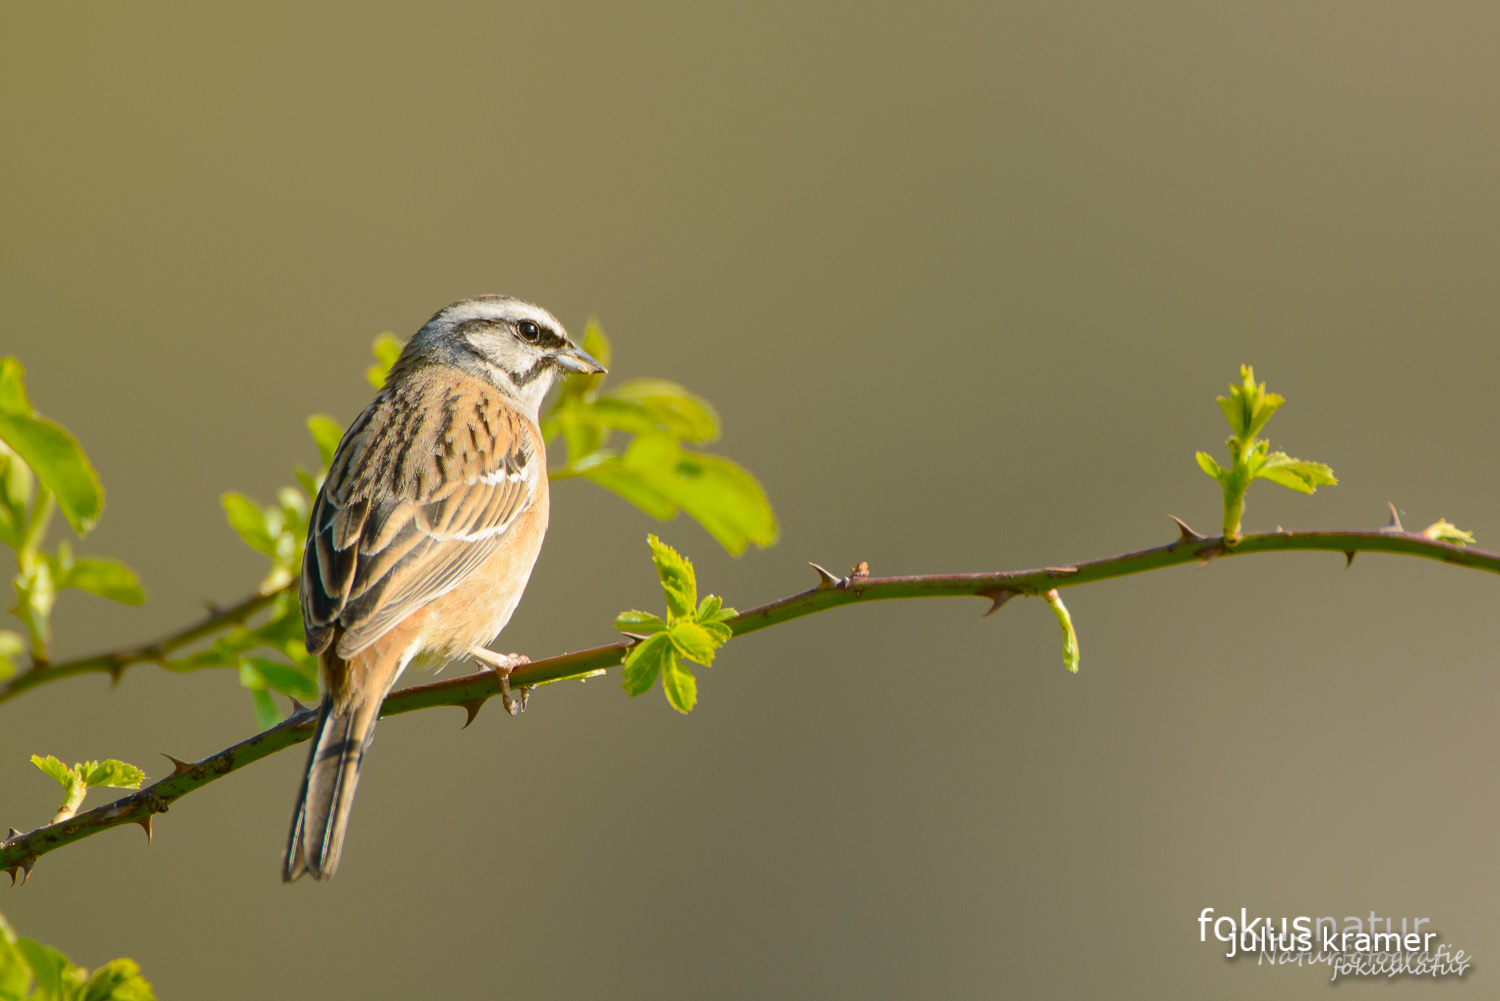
x=999, y=596
x=145, y=823
x=1188, y=535
x=826, y=580
x=178, y=767
x=1349, y=555
x=1394, y=528
x=297, y=707
x=472, y=708
x=25, y=868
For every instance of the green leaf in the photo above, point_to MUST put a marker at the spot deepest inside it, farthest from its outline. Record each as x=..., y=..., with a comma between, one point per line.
x=678, y=582
x=50, y=968
x=294, y=505
x=632, y=486
x=387, y=349
x=57, y=979
x=107, y=578
x=13, y=388
x=638, y=622
x=712, y=615
x=1443, y=530
x=719, y=494
x=654, y=454
x=639, y=407
x=680, y=685
x=112, y=773
x=725, y=499
x=607, y=412
x=309, y=483
x=16, y=483
x=680, y=413
x=201, y=660
x=720, y=632
x=1303, y=477
x=15, y=972
x=58, y=461
x=225, y=651
x=327, y=434
x=37, y=592
x=283, y=628
x=694, y=642
x=266, y=713
x=12, y=645
x=310, y=666
x=247, y=518
x=55, y=768
x=583, y=439
x=644, y=662
x=118, y=980
x=1212, y=468
x=279, y=577
x=288, y=679
x=1233, y=412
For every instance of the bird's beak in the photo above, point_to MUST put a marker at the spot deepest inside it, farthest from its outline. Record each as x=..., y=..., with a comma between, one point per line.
x=575, y=359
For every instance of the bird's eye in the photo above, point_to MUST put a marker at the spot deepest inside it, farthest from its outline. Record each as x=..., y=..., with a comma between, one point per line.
x=529, y=331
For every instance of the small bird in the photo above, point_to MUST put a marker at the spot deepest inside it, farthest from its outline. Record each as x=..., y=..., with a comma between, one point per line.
x=424, y=534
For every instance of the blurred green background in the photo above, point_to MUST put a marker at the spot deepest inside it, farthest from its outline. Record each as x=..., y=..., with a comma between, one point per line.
x=964, y=279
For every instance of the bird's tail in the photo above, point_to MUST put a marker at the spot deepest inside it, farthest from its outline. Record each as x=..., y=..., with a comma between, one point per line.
x=345, y=726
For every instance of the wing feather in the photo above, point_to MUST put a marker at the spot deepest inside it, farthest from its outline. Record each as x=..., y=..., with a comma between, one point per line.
x=417, y=497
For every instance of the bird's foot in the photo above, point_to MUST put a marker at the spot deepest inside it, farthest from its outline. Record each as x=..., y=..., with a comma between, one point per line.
x=502, y=664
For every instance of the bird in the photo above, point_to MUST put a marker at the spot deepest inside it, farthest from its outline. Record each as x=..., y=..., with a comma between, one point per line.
x=423, y=535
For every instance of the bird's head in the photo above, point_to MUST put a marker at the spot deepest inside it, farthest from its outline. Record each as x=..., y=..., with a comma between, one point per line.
x=515, y=345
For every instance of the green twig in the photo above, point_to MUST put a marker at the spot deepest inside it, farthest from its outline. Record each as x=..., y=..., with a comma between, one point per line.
x=18, y=854
x=1070, y=635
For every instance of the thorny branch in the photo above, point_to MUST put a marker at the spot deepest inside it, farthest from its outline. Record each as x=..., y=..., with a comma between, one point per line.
x=19, y=852
x=115, y=662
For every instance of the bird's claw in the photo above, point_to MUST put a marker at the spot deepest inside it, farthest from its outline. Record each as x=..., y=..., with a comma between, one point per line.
x=502, y=664
x=513, y=706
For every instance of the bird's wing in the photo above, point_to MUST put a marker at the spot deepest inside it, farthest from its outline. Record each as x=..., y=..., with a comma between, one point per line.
x=422, y=490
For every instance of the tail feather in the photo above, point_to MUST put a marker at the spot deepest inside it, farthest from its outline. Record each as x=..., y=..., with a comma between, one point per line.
x=327, y=795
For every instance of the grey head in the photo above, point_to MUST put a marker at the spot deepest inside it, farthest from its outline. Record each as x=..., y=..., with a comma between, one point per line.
x=514, y=345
